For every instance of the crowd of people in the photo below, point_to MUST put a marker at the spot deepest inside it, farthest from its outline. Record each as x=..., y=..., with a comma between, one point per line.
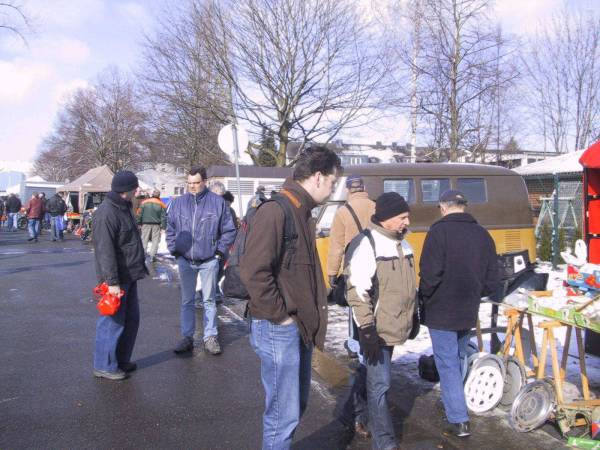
x=287, y=306
x=37, y=210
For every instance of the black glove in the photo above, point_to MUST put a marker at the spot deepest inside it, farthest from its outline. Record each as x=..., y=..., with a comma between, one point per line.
x=370, y=344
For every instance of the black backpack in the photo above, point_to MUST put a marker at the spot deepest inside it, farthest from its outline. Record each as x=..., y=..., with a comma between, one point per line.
x=232, y=284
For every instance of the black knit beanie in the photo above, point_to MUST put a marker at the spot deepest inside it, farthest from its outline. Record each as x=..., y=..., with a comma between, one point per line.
x=389, y=205
x=124, y=181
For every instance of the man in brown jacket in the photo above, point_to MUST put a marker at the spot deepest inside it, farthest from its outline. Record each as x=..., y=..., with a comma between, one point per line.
x=382, y=290
x=35, y=214
x=288, y=299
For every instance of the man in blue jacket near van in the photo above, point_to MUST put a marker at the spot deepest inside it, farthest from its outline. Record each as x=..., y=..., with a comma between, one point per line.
x=200, y=231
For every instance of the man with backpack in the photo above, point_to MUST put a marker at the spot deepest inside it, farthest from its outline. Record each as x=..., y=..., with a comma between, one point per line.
x=288, y=298
x=199, y=233
x=382, y=290
x=349, y=220
x=13, y=206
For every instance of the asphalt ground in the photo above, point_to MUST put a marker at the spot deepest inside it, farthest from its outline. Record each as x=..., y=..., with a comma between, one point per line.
x=49, y=398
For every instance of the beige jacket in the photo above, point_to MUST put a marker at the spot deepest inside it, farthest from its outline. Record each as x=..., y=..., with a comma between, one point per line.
x=343, y=228
x=394, y=262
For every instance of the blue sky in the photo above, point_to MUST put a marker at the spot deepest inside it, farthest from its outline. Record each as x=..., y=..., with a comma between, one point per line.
x=73, y=40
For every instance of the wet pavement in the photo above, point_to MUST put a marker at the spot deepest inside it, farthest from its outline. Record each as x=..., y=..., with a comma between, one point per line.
x=49, y=398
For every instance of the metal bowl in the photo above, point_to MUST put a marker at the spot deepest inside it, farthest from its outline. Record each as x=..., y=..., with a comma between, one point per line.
x=514, y=380
x=532, y=406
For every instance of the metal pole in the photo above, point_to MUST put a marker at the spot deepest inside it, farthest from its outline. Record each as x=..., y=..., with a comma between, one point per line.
x=236, y=153
x=555, y=249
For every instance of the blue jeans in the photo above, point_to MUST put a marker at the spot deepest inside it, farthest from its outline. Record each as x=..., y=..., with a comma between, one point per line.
x=379, y=378
x=13, y=219
x=285, y=369
x=188, y=275
x=56, y=227
x=33, y=226
x=115, y=335
x=355, y=407
x=449, y=347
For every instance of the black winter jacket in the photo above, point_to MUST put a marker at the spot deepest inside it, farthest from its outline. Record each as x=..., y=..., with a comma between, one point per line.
x=13, y=204
x=117, y=245
x=458, y=266
x=56, y=206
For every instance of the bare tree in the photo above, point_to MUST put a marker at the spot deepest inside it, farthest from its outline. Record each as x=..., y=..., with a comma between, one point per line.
x=298, y=69
x=563, y=68
x=14, y=19
x=98, y=125
x=189, y=99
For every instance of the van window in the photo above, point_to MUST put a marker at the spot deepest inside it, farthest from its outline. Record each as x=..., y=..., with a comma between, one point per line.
x=431, y=189
x=404, y=187
x=473, y=188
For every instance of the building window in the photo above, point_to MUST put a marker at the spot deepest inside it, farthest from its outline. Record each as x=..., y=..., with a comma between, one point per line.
x=404, y=187
x=431, y=189
x=179, y=171
x=179, y=190
x=473, y=188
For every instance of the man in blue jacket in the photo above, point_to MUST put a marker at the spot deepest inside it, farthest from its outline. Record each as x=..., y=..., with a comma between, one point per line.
x=199, y=233
x=458, y=266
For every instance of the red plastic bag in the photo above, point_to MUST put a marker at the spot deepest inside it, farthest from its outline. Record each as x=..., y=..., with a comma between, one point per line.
x=108, y=304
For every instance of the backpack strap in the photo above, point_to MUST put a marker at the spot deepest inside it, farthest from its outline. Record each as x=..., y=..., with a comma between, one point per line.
x=355, y=217
x=290, y=235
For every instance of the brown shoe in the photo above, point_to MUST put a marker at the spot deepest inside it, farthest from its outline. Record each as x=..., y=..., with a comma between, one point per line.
x=361, y=430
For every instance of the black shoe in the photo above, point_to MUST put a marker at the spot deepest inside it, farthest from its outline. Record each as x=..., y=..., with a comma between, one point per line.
x=184, y=346
x=460, y=429
x=30, y=239
x=128, y=367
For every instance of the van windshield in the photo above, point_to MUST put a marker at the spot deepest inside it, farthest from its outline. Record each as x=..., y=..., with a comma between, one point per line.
x=327, y=215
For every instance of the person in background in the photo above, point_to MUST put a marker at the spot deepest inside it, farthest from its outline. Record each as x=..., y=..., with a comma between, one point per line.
x=56, y=208
x=3, y=217
x=35, y=213
x=46, y=218
x=13, y=206
x=152, y=217
x=229, y=199
x=119, y=258
x=257, y=199
x=458, y=266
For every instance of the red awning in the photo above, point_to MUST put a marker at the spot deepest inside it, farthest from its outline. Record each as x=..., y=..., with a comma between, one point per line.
x=591, y=157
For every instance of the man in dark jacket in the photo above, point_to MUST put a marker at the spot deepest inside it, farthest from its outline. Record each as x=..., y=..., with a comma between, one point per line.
x=57, y=208
x=152, y=217
x=199, y=234
x=120, y=264
x=35, y=214
x=458, y=267
x=13, y=206
x=288, y=299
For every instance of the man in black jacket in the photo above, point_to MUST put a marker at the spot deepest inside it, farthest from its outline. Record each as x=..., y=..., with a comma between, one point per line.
x=57, y=208
x=458, y=267
x=13, y=206
x=120, y=264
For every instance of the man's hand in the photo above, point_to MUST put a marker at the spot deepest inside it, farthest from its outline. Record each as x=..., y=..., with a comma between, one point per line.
x=370, y=344
x=114, y=290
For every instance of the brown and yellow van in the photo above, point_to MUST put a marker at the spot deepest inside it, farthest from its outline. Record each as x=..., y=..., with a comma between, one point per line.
x=497, y=199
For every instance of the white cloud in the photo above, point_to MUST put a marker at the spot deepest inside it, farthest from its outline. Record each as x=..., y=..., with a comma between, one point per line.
x=64, y=13
x=62, y=91
x=524, y=17
x=19, y=79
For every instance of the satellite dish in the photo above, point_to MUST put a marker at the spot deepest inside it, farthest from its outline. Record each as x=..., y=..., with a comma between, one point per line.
x=227, y=144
